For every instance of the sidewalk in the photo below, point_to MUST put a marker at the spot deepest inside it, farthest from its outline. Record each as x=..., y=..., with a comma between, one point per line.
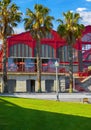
x=73, y=97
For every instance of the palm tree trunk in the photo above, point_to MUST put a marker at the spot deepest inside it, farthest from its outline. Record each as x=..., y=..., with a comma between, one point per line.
x=38, y=65
x=70, y=68
x=4, y=68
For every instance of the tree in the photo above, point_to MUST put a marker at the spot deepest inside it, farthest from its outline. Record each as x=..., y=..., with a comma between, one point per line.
x=71, y=30
x=38, y=23
x=9, y=17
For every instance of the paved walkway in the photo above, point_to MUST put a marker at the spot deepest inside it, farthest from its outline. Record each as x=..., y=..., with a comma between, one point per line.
x=78, y=97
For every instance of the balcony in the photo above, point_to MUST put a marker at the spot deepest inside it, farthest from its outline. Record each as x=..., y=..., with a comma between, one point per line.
x=32, y=67
x=29, y=65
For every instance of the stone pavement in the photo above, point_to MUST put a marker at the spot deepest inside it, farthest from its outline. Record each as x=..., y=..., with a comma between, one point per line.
x=73, y=97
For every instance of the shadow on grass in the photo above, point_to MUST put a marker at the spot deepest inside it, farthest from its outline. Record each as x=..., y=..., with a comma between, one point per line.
x=13, y=117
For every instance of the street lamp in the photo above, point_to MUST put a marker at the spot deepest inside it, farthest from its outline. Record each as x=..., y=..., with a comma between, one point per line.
x=57, y=65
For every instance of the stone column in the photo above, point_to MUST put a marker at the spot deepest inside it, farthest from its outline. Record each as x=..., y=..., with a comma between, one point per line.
x=21, y=86
x=43, y=85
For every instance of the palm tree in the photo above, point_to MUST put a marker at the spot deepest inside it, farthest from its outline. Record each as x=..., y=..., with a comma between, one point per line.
x=70, y=29
x=9, y=17
x=38, y=23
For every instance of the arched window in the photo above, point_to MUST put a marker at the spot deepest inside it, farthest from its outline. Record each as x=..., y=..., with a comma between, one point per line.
x=48, y=35
x=47, y=51
x=63, y=54
x=86, y=38
x=86, y=50
x=86, y=46
x=89, y=57
x=20, y=50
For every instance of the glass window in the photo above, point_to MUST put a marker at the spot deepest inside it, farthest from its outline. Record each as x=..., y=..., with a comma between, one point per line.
x=15, y=50
x=23, y=50
x=47, y=51
x=48, y=35
x=29, y=65
x=35, y=52
x=30, y=52
x=42, y=51
x=20, y=50
x=51, y=65
x=12, y=66
x=63, y=53
x=11, y=51
x=86, y=51
x=27, y=51
x=75, y=55
x=87, y=37
x=89, y=57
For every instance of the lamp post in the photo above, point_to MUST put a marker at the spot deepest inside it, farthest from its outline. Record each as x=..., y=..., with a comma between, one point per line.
x=57, y=88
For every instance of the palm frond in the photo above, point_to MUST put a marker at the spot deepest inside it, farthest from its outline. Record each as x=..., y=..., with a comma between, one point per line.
x=38, y=21
x=9, y=15
x=69, y=27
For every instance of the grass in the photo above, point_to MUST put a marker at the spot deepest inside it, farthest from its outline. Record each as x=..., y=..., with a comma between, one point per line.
x=33, y=114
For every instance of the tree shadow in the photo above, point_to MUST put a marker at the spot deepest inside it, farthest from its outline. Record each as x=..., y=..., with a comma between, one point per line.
x=13, y=117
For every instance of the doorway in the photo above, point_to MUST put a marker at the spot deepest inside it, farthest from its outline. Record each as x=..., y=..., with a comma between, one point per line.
x=49, y=85
x=11, y=85
x=30, y=86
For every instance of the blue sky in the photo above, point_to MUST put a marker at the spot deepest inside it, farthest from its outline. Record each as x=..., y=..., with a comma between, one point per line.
x=57, y=7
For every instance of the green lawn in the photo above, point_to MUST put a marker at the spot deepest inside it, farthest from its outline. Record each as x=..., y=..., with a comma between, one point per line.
x=33, y=114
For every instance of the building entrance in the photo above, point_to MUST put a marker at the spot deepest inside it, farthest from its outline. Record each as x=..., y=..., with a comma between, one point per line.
x=30, y=86
x=11, y=85
x=49, y=85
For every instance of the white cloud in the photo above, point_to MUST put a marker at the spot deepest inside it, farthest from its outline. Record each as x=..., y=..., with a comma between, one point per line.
x=85, y=15
x=18, y=30
x=80, y=9
x=88, y=0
